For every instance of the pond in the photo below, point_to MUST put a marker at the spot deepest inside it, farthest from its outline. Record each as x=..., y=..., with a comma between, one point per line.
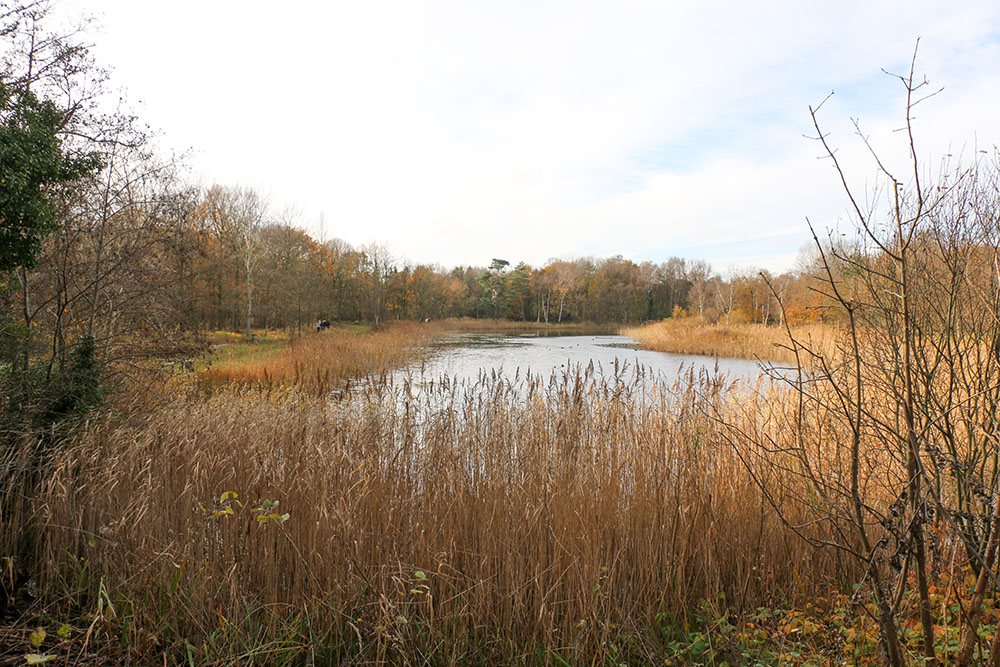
x=465, y=358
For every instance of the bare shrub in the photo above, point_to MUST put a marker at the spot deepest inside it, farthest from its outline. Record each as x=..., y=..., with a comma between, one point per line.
x=895, y=430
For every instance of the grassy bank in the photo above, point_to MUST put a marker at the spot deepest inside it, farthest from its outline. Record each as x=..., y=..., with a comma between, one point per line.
x=743, y=341
x=597, y=520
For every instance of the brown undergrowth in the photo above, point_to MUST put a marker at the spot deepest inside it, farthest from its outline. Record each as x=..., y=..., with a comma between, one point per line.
x=583, y=518
x=320, y=362
x=593, y=518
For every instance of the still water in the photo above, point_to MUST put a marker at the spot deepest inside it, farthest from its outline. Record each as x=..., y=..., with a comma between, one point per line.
x=465, y=358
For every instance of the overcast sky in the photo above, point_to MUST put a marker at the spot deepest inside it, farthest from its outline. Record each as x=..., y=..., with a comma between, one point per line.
x=456, y=132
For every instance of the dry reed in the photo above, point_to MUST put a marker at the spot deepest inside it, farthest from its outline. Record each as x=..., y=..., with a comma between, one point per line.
x=743, y=341
x=499, y=522
x=320, y=362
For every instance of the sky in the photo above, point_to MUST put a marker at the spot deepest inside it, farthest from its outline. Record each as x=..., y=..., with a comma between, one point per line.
x=456, y=132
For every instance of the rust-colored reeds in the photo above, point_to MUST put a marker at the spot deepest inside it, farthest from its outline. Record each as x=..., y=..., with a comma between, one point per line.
x=320, y=362
x=457, y=523
x=741, y=341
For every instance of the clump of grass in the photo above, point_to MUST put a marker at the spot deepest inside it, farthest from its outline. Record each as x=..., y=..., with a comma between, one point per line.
x=744, y=341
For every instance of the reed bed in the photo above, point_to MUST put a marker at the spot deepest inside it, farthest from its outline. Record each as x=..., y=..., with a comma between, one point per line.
x=580, y=518
x=742, y=341
x=320, y=362
x=594, y=516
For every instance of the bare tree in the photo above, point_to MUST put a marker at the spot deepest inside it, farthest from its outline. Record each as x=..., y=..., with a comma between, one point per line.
x=700, y=275
x=237, y=215
x=377, y=263
x=893, y=431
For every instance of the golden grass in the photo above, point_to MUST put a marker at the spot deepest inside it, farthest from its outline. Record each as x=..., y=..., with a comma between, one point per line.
x=236, y=337
x=463, y=525
x=319, y=362
x=743, y=341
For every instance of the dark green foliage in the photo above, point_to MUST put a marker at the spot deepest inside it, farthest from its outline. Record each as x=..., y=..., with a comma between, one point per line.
x=78, y=389
x=493, y=283
x=517, y=292
x=32, y=160
x=37, y=407
x=12, y=337
x=46, y=397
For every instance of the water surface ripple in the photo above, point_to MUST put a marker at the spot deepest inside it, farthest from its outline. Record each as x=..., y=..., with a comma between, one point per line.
x=465, y=358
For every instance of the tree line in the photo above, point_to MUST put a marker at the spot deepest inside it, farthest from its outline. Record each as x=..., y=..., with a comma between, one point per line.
x=239, y=270
x=231, y=263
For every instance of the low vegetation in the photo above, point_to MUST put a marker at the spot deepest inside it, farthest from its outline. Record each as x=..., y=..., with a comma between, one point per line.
x=581, y=518
x=317, y=362
x=694, y=335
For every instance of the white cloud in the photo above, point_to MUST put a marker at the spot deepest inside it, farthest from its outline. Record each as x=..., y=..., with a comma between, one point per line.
x=461, y=131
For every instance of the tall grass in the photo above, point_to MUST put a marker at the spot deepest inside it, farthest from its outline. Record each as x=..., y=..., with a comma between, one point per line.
x=581, y=519
x=744, y=341
x=320, y=362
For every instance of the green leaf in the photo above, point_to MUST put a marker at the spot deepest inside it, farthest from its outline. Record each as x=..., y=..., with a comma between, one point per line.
x=419, y=575
x=38, y=659
x=37, y=637
x=64, y=631
x=227, y=496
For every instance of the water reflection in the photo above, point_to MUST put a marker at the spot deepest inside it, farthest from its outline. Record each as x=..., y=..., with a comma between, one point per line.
x=467, y=358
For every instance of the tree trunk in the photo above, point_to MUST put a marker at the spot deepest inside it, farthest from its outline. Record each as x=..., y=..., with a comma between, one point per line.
x=249, y=302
